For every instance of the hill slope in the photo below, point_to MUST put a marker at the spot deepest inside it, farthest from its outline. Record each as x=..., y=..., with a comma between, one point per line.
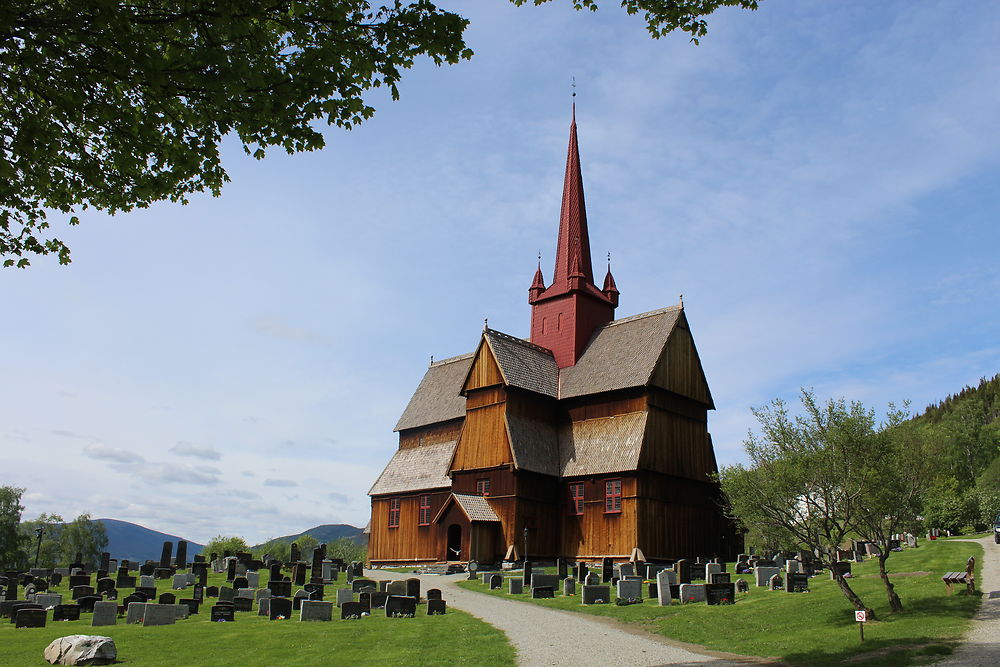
x=326, y=533
x=134, y=542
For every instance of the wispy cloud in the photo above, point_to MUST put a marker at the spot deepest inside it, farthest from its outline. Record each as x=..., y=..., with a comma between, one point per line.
x=280, y=482
x=102, y=452
x=196, y=451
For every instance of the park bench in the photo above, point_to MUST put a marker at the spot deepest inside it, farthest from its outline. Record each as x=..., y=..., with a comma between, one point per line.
x=968, y=577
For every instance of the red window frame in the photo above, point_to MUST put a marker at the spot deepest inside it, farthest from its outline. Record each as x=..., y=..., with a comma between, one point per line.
x=394, y=504
x=483, y=486
x=576, y=498
x=613, y=496
x=424, y=515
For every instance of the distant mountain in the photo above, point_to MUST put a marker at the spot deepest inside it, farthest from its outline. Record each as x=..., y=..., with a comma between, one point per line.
x=130, y=541
x=327, y=533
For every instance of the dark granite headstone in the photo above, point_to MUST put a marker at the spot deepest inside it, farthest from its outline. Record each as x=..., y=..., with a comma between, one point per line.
x=148, y=591
x=413, y=587
x=167, y=598
x=231, y=570
x=243, y=603
x=350, y=610
x=147, y=569
x=124, y=581
x=378, y=599
x=240, y=582
x=86, y=603
x=280, y=607
x=212, y=591
x=30, y=618
x=168, y=546
x=80, y=591
x=433, y=594
x=182, y=552
x=720, y=593
x=280, y=588
x=797, y=582
x=436, y=607
x=540, y=592
x=398, y=606
x=300, y=574
x=719, y=578
x=561, y=568
x=79, y=580
x=358, y=584
x=296, y=553
x=527, y=571
x=495, y=582
x=66, y=612
x=581, y=571
x=198, y=592
x=595, y=594
x=192, y=604
x=223, y=613
x=607, y=570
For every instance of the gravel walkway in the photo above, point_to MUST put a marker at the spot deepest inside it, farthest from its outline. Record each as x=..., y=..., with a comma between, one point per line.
x=544, y=637
x=981, y=645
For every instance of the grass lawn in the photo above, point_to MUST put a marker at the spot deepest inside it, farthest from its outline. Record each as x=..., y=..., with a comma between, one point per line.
x=453, y=639
x=818, y=628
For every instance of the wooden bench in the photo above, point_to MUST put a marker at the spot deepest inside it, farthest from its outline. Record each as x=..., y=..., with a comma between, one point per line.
x=968, y=577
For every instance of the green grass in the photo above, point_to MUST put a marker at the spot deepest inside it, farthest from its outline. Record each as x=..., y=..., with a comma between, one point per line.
x=818, y=628
x=453, y=639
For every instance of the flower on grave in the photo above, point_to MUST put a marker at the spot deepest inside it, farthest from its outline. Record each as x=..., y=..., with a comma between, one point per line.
x=279, y=617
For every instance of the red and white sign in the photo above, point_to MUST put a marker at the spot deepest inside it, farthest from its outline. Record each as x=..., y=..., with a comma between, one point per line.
x=861, y=616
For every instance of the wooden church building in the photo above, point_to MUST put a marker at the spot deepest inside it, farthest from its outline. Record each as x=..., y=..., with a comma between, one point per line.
x=589, y=439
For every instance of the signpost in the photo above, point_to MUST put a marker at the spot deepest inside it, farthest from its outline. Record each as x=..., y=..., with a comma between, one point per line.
x=861, y=617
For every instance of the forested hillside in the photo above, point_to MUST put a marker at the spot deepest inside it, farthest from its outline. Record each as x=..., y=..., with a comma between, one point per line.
x=963, y=440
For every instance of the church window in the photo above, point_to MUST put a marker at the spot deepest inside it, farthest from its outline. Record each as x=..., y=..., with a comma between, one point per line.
x=483, y=486
x=394, y=512
x=576, y=498
x=612, y=496
x=424, y=516
x=559, y=322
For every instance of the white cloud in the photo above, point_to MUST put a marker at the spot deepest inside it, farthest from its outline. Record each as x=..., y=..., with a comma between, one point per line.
x=102, y=452
x=195, y=451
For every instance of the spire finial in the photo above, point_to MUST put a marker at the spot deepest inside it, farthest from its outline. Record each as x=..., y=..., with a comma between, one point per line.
x=681, y=298
x=539, y=258
x=609, y=260
x=486, y=323
x=432, y=360
x=574, y=99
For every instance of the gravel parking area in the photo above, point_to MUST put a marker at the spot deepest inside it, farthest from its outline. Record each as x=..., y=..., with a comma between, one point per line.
x=981, y=645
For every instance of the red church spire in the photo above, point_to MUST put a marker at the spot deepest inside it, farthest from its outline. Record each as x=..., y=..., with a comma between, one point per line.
x=564, y=316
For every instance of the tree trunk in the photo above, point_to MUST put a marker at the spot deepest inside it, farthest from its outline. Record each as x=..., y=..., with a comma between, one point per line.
x=849, y=593
x=894, y=602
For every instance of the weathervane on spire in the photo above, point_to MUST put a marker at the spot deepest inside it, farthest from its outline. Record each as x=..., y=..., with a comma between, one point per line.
x=681, y=298
x=486, y=323
x=609, y=260
x=574, y=86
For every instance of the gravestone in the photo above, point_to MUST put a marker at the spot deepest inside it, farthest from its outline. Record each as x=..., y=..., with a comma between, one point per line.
x=246, y=592
x=581, y=571
x=400, y=606
x=30, y=618
x=607, y=570
x=793, y=566
x=48, y=600
x=79, y=580
x=125, y=581
x=198, y=592
x=434, y=594
x=300, y=574
x=147, y=581
x=496, y=582
x=592, y=580
x=543, y=592
x=158, y=614
x=629, y=589
x=515, y=586
x=561, y=568
x=626, y=570
x=241, y=603
x=105, y=613
x=742, y=586
x=569, y=586
x=180, y=582
x=226, y=594
x=692, y=592
x=316, y=611
x=240, y=582
x=165, y=554
x=66, y=612
x=664, y=579
x=296, y=553
x=378, y=599
x=275, y=571
x=181, y=559
x=798, y=582
x=344, y=595
x=600, y=594
x=527, y=573
x=81, y=591
x=436, y=607
x=253, y=579
x=719, y=578
x=212, y=591
x=383, y=585
x=261, y=594
x=280, y=588
x=264, y=607
x=683, y=570
x=544, y=581
x=720, y=593
x=762, y=575
x=87, y=602
x=413, y=588
x=350, y=610
x=775, y=583
x=167, y=598
x=710, y=569
x=652, y=590
x=191, y=604
x=135, y=611
x=105, y=584
x=222, y=613
x=281, y=608
x=231, y=569
x=394, y=587
x=365, y=599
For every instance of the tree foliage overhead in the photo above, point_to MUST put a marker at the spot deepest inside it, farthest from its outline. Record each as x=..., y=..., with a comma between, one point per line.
x=114, y=105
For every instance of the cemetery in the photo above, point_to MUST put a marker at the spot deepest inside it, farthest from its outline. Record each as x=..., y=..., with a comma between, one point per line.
x=804, y=621
x=223, y=611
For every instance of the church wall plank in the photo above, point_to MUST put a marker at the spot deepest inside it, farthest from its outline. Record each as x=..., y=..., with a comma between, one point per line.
x=484, y=372
x=409, y=541
x=484, y=442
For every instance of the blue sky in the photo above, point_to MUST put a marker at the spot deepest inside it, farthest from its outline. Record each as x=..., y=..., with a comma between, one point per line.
x=818, y=178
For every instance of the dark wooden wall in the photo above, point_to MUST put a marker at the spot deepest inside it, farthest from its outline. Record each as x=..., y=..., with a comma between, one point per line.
x=408, y=542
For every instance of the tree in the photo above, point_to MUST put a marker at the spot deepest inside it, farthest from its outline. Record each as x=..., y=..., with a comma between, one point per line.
x=900, y=471
x=219, y=545
x=83, y=536
x=347, y=550
x=12, y=541
x=806, y=479
x=49, y=551
x=114, y=106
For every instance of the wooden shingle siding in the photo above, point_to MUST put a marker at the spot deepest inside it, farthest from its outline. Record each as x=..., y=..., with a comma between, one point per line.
x=679, y=368
x=484, y=442
x=484, y=372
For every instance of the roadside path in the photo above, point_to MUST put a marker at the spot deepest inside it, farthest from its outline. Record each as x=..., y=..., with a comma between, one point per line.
x=981, y=645
x=544, y=637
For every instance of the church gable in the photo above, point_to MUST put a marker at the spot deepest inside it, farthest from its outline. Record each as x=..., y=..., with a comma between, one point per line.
x=679, y=368
x=439, y=396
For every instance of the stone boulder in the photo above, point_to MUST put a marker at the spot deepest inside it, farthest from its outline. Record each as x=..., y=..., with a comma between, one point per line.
x=81, y=650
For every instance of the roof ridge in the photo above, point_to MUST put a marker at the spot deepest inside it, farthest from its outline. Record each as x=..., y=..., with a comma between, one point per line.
x=632, y=318
x=521, y=341
x=451, y=360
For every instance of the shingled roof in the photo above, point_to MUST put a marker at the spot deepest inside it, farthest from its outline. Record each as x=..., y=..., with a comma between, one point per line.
x=603, y=445
x=475, y=508
x=524, y=364
x=415, y=468
x=438, y=397
x=534, y=443
x=621, y=354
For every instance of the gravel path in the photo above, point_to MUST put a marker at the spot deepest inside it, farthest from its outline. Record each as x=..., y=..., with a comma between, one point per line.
x=981, y=645
x=544, y=637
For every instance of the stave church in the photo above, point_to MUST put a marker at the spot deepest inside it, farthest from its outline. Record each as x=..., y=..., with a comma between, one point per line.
x=587, y=440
